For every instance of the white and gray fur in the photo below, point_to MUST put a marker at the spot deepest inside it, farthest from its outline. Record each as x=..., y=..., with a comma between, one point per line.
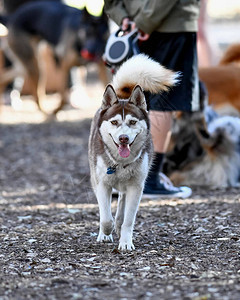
x=124, y=113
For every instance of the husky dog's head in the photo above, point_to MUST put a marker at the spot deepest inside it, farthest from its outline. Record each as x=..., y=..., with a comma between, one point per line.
x=124, y=124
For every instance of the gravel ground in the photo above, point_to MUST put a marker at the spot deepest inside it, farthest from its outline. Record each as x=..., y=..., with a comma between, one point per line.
x=185, y=249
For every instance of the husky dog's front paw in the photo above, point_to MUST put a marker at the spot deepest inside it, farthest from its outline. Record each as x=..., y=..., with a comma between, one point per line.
x=125, y=242
x=126, y=246
x=104, y=238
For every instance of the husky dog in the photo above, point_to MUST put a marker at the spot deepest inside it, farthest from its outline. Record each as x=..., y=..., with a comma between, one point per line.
x=120, y=145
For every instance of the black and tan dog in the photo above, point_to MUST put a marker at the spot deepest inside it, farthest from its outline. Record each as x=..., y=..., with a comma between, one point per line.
x=75, y=36
x=206, y=150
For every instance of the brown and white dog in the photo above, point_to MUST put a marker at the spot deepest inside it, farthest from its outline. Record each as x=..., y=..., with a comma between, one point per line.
x=120, y=146
x=223, y=81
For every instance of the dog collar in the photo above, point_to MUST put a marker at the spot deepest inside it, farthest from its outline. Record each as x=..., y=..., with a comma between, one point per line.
x=113, y=169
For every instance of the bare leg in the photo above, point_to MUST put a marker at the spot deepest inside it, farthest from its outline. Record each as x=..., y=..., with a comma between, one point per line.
x=161, y=123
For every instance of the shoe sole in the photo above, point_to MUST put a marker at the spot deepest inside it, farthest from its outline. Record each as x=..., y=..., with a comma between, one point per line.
x=185, y=193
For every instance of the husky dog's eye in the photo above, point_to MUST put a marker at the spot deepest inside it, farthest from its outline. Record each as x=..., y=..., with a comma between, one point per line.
x=114, y=122
x=132, y=122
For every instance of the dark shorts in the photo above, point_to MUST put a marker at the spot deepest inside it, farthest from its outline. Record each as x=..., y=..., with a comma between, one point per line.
x=175, y=51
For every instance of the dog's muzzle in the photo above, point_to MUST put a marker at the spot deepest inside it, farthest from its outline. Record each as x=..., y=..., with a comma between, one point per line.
x=123, y=147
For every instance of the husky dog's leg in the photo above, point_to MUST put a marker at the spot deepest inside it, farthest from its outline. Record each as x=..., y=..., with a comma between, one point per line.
x=133, y=197
x=120, y=213
x=103, y=194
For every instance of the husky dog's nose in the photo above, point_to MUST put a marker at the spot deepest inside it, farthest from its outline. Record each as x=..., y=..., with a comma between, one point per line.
x=123, y=139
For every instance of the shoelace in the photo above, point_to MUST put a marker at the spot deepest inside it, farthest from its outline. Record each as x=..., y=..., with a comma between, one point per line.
x=167, y=183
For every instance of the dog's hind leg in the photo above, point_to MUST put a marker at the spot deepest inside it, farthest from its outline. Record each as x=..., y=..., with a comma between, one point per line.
x=33, y=72
x=63, y=90
x=9, y=74
x=24, y=49
x=120, y=213
x=65, y=66
x=103, y=194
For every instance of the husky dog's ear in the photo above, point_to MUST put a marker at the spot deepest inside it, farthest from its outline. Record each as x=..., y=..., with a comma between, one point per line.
x=109, y=97
x=138, y=98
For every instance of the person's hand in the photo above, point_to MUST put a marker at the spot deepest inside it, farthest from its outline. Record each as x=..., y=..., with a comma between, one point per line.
x=143, y=36
x=128, y=25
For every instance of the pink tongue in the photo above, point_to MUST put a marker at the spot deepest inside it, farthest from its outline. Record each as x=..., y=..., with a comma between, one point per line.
x=124, y=150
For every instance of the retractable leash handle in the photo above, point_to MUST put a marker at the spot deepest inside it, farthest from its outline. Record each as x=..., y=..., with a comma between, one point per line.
x=120, y=46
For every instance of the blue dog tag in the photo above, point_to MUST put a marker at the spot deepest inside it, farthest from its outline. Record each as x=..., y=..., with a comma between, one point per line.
x=111, y=170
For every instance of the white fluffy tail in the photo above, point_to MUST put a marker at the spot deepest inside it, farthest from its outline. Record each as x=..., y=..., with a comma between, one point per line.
x=144, y=71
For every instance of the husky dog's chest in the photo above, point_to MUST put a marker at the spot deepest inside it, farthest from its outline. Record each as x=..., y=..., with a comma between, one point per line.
x=114, y=175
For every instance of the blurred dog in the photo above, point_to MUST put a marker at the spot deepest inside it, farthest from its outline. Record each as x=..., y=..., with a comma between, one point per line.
x=75, y=36
x=223, y=81
x=206, y=150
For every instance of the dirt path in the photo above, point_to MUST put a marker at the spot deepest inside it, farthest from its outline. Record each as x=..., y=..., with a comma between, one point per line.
x=185, y=249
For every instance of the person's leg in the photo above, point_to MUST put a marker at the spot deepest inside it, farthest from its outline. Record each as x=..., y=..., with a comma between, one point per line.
x=158, y=184
x=176, y=51
x=161, y=123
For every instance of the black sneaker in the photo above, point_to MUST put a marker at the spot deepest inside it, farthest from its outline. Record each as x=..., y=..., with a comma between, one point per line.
x=165, y=188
